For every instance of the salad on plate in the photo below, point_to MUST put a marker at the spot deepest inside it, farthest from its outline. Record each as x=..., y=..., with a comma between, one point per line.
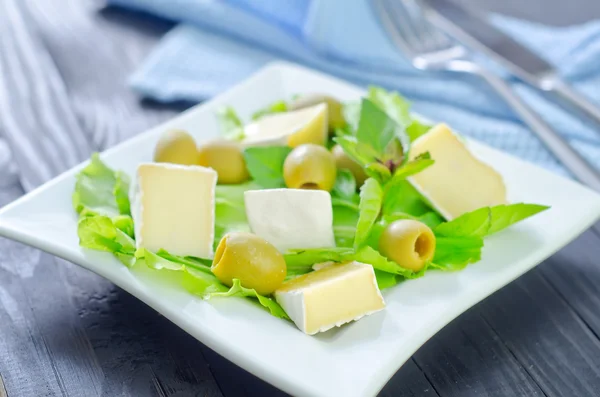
x=310, y=209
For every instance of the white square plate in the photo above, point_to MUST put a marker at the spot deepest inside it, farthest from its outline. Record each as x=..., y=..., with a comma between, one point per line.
x=357, y=359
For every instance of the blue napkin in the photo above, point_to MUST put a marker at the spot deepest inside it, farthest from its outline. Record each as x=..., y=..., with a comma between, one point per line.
x=220, y=42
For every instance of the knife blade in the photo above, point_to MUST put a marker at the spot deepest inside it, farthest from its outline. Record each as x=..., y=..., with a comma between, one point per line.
x=478, y=34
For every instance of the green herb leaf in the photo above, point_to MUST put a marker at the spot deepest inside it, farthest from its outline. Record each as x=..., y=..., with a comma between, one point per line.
x=379, y=172
x=101, y=191
x=345, y=185
x=265, y=165
x=472, y=224
x=358, y=151
x=416, y=129
x=375, y=127
x=397, y=108
x=485, y=221
x=230, y=124
x=275, y=107
x=351, y=112
x=505, y=215
x=454, y=253
x=401, y=197
x=414, y=167
x=345, y=217
x=239, y=291
x=371, y=196
x=392, y=103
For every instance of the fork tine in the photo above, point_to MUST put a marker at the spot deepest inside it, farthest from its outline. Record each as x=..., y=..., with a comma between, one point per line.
x=408, y=27
x=398, y=33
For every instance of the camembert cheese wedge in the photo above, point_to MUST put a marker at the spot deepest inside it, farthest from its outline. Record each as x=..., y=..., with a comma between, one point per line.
x=291, y=218
x=173, y=208
x=457, y=182
x=331, y=296
x=308, y=125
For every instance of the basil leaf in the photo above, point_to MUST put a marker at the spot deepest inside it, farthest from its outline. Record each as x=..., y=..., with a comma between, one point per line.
x=416, y=129
x=415, y=166
x=265, y=165
x=401, y=197
x=505, y=215
x=375, y=128
x=379, y=172
x=392, y=103
x=358, y=151
x=472, y=224
x=371, y=196
x=454, y=253
x=488, y=220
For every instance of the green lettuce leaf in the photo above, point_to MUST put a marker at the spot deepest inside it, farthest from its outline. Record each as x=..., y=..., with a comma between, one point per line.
x=230, y=124
x=269, y=303
x=386, y=280
x=345, y=217
x=101, y=191
x=383, y=264
x=208, y=286
x=275, y=107
x=100, y=233
x=265, y=165
x=371, y=196
x=345, y=185
x=301, y=261
x=230, y=211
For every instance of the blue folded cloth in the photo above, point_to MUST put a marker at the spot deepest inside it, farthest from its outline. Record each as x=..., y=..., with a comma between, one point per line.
x=221, y=42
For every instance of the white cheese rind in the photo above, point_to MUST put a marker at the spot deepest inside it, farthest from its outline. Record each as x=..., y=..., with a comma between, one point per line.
x=276, y=129
x=458, y=181
x=291, y=218
x=173, y=208
x=336, y=292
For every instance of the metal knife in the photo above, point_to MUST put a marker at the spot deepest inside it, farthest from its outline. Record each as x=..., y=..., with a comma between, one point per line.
x=476, y=33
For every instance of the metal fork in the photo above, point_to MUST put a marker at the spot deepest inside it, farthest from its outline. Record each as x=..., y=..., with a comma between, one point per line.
x=429, y=49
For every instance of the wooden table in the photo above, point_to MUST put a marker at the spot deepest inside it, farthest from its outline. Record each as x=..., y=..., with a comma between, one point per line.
x=67, y=332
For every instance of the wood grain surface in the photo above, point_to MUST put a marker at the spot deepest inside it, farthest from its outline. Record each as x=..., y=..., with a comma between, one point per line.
x=64, y=331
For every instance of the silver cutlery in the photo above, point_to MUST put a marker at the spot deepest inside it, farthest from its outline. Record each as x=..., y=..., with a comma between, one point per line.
x=478, y=34
x=429, y=49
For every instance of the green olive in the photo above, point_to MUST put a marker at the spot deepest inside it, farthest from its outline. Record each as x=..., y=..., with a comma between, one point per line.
x=409, y=243
x=309, y=166
x=334, y=108
x=343, y=161
x=226, y=158
x=252, y=260
x=177, y=147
